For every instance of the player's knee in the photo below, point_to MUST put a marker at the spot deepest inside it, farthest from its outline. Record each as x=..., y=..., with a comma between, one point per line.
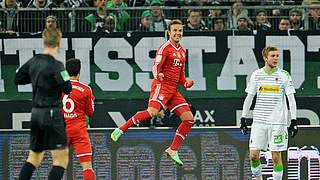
x=187, y=116
x=35, y=158
x=35, y=162
x=153, y=112
x=60, y=157
x=86, y=165
x=61, y=161
x=254, y=157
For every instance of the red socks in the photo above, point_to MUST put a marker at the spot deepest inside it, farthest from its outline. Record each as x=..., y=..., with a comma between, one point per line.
x=88, y=174
x=139, y=117
x=181, y=134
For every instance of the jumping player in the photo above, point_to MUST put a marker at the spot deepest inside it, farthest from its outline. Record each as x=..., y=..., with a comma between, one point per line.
x=168, y=71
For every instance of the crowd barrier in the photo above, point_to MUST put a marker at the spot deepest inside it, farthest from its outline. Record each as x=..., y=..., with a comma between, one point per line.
x=32, y=20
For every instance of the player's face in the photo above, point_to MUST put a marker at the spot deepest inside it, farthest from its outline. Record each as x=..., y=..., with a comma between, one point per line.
x=272, y=59
x=176, y=32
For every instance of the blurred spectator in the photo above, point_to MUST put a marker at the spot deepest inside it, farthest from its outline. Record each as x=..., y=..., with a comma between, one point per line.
x=34, y=21
x=295, y=17
x=97, y=19
x=237, y=9
x=51, y=22
x=70, y=17
x=243, y=23
x=276, y=12
x=284, y=24
x=9, y=17
x=218, y=24
x=197, y=2
x=215, y=11
x=145, y=23
x=42, y=4
x=174, y=3
x=314, y=13
x=262, y=23
x=195, y=22
x=174, y=13
x=204, y=2
x=122, y=16
x=108, y=25
x=74, y=3
x=274, y=18
x=136, y=3
x=99, y=3
x=159, y=23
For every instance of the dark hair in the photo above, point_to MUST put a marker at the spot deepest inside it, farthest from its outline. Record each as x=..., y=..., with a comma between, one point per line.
x=73, y=66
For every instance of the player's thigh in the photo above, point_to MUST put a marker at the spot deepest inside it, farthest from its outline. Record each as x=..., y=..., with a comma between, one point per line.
x=159, y=95
x=180, y=107
x=82, y=147
x=259, y=136
x=279, y=138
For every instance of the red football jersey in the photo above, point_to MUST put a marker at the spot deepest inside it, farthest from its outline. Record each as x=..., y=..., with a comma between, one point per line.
x=170, y=60
x=77, y=105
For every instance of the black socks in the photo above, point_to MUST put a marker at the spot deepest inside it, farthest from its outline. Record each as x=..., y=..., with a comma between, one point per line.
x=26, y=171
x=56, y=173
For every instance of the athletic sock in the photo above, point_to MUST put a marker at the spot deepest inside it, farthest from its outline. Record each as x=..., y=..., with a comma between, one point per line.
x=181, y=134
x=56, y=173
x=26, y=171
x=88, y=174
x=256, y=169
x=277, y=172
x=139, y=117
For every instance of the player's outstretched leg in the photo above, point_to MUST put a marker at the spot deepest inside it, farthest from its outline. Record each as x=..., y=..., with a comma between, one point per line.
x=136, y=119
x=180, y=135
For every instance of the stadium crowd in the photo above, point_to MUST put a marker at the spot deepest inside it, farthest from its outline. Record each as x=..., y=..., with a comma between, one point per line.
x=153, y=15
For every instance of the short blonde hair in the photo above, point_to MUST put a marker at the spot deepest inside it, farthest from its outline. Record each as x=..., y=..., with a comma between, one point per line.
x=268, y=49
x=174, y=21
x=51, y=37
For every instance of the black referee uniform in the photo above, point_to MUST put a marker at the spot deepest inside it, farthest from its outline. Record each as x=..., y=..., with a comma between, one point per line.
x=49, y=79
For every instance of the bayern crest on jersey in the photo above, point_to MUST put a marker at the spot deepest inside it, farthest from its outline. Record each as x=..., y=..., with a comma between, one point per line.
x=178, y=54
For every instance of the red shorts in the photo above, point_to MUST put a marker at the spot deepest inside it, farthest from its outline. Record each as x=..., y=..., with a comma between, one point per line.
x=168, y=97
x=81, y=145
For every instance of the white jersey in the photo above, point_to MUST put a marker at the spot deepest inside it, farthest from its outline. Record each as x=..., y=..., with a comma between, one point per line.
x=271, y=88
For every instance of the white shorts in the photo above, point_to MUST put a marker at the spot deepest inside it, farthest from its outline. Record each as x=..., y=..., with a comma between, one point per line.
x=264, y=135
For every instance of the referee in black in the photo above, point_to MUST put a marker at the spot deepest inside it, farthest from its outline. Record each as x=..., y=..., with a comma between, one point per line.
x=49, y=79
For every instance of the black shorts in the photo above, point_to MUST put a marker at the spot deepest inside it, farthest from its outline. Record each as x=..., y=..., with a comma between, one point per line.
x=48, y=130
